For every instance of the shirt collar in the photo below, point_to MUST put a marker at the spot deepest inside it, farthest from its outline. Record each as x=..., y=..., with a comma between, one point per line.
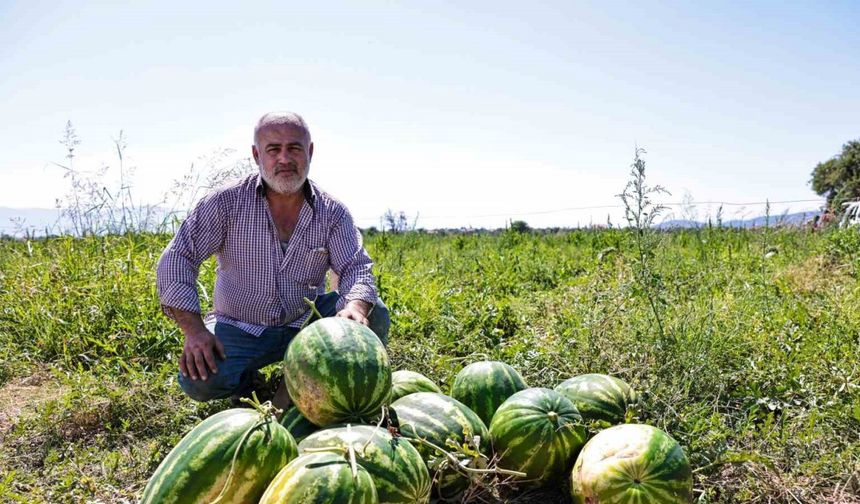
x=308, y=190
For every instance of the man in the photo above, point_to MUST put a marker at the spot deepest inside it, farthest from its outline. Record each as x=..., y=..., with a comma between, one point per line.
x=275, y=235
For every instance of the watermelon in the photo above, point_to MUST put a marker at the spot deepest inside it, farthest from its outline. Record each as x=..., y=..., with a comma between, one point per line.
x=438, y=419
x=599, y=397
x=298, y=426
x=321, y=478
x=484, y=386
x=198, y=469
x=404, y=383
x=398, y=472
x=632, y=463
x=539, y=432
x=337, y=370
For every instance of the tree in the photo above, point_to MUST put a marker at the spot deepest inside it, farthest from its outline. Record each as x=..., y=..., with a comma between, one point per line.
x=519, y=226
x=838, y=178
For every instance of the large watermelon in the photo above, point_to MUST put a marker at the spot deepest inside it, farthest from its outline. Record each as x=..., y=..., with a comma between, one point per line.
x=404, y=383
x=539, y=432
x=438, y=418
x=484, y=386
x=337, y=370
x=197, y=469
x=397, y=469
x=599, y=397
x=298, y=426
x=632, y=464
x=321, y=478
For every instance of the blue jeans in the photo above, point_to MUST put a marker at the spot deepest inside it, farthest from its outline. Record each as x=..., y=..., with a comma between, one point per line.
x=247, y=354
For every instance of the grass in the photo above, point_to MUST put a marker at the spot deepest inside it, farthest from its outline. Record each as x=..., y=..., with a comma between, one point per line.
x=755, y=370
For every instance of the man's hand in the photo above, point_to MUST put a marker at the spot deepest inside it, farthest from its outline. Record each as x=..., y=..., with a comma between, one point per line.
x=357, y=310
x=198, y=354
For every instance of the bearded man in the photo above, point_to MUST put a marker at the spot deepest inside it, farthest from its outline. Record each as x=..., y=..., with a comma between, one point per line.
x=275, y=235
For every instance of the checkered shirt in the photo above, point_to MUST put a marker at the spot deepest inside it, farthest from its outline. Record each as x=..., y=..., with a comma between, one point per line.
x=258, y=284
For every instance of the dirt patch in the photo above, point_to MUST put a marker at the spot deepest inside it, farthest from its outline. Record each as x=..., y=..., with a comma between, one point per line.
x=813, y=275
x=22, y=396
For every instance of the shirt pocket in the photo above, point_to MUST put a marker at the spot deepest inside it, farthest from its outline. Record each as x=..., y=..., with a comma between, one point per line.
x=312, y=263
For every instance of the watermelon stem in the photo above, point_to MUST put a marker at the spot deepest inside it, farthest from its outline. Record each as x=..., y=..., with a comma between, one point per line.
x=378, y=426
x=314, y=312
x=348, y=452
x=266, y=409
x=351, y=449
x=455, y=462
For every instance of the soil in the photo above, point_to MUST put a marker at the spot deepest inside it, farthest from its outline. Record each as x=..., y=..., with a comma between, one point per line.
x=21, y=396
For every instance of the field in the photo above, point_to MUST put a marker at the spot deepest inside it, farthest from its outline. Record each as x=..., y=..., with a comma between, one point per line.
x=743, y=343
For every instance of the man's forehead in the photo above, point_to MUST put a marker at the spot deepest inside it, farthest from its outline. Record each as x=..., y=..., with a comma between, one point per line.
x=282, y=133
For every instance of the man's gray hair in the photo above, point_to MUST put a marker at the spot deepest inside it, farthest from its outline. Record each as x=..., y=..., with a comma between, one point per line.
x=281, y=119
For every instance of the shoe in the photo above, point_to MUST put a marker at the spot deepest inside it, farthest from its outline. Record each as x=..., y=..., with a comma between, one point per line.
x=258, y=385
x=281, y=399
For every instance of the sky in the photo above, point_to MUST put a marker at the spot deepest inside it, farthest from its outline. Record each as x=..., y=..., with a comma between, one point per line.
x=457, y=113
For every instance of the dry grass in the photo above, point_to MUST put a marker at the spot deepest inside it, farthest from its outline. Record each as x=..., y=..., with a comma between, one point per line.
x=22, y=396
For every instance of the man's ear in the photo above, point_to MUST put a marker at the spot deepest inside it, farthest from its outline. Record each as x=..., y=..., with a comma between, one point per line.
x=255, y=154
x=311, y=151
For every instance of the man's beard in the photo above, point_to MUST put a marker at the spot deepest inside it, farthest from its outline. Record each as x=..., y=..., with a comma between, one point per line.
x=280, y=185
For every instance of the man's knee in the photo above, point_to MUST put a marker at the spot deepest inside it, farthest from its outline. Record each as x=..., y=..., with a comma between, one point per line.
x=380, y=320
x=216, y=386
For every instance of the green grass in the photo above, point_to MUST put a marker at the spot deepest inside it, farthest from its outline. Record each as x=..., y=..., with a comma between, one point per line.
x=755, y=372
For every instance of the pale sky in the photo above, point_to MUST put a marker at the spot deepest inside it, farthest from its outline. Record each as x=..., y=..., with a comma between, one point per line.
x=465, y=113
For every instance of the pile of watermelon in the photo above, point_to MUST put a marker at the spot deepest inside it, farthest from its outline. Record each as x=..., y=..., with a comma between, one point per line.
x=359, y=433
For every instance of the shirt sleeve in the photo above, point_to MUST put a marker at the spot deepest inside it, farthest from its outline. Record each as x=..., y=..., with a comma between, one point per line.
x=200, y=235
x=351, y=263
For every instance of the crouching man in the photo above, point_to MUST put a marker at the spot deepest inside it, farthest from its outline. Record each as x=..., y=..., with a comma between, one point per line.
x=275, y=234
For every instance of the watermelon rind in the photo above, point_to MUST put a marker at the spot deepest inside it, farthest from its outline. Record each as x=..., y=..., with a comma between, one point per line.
x=442, y=421
x=484, y=386
x=632, y=463
x=337, y=371
x=539, y=432
x=405, y=382
x=197, y=468
x=321, y=478
x=298, y=426
x=599, y=397
x=397, y=469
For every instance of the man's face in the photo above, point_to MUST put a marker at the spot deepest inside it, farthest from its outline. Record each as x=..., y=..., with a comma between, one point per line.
x=283, y=153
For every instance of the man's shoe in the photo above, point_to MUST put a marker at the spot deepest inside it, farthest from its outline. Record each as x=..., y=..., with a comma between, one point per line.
x=281, y=399
x=259, y=386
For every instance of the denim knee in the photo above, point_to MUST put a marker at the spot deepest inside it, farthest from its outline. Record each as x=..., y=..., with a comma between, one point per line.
x=215, y=386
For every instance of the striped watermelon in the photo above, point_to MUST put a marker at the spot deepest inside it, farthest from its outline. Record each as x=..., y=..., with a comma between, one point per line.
x=197, y=469
x=298, y=426
x=321, y=478
x=599, y=397
x=404, y=383
x=438, y=418
x=539, y=432
x=632, y=464
x=337, y=370
x=484, y=386
x=397, y=469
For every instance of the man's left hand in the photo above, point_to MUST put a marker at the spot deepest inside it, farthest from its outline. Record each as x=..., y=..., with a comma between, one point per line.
x=356, y=310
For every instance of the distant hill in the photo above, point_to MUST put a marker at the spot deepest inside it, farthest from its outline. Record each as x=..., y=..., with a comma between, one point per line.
x=792, y=219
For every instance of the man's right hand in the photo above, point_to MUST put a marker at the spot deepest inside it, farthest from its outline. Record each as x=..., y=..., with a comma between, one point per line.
x=198, y=354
